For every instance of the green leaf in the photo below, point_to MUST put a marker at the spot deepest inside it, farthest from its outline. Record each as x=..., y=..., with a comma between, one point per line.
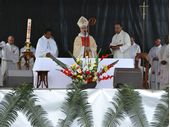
x=76, y=106
x=8, y=109
x=115, y=114
x=35, y=113
x=61, y=64
x=161, y=115
x=85, y=118
x=133, y=107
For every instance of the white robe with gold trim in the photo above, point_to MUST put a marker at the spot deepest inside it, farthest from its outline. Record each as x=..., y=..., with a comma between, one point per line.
x=78, y=50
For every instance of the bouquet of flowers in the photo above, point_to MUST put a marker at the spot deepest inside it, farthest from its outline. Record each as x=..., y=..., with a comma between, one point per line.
x=85, y=70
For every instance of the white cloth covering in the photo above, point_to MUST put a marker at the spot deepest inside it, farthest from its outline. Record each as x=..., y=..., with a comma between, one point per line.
x=45, y=46
x=57, y=79
x=122, y=38
x=99, y=99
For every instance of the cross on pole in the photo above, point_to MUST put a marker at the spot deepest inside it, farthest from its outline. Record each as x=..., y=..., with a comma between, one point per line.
x=143, y=7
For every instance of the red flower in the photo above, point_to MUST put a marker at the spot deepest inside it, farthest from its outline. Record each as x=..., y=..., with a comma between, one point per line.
x=104, y=56
x=87, y=72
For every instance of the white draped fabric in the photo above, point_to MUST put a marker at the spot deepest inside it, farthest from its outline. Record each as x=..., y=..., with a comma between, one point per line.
x=57, y=79
x=99, y=99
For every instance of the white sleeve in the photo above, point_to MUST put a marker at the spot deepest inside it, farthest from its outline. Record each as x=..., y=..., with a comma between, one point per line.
x=40, y=50
x=127, y=43
x=2, y=44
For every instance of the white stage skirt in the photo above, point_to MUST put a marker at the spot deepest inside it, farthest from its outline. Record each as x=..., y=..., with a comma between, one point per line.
x=57, y=79
x=99, y=99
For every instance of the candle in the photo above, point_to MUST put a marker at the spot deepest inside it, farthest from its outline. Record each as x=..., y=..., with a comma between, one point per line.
x=28, y=35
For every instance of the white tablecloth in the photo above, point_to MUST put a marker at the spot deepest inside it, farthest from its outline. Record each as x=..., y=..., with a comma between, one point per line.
x=57, y=79
x=51, y=101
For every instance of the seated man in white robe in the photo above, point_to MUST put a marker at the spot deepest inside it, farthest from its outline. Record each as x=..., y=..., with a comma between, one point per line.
x=154, y=62
x=84, y=44
x=120, y=43
x=46, y=45
x=31, y=62
x=163, y=56
x=10, y=56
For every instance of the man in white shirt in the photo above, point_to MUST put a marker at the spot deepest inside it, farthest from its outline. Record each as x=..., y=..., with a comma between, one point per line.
x=46, y=45
x=163, y=56
x=120, y=43
x=10, y=56
x=154, y=62
x=134, y=48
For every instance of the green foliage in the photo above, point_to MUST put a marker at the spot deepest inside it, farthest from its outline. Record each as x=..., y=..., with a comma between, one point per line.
x=76, y=106
x=113, y=117
x=22, y=99
x=161, y=116
x=133, y=107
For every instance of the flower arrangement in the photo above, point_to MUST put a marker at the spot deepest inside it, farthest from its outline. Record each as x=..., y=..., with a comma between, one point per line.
x=85, y=70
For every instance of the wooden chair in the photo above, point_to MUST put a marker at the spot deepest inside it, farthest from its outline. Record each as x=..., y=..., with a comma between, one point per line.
x=144, y=58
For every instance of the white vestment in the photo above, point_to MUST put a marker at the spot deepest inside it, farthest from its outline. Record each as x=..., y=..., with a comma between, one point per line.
x=164, y=69
x=154, y=73
x=31, y=62
x=79, y=49
x=45, y=46
x=122, y=38
x=10, y=58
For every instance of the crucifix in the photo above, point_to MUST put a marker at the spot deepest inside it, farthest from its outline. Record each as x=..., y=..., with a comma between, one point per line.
x=144, y=7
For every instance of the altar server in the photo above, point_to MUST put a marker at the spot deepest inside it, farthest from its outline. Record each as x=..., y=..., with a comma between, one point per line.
x=46, y=45
x=134, y=48
x=120, y=43
x=154, y=62
x=163, y=56
x=10, y=56
x=84, y=44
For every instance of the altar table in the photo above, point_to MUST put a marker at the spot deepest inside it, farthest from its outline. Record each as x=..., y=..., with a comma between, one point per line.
x=57, y=79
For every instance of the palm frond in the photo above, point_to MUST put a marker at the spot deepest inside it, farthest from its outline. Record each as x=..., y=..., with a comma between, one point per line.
x=35, y=113
x=61, y=64
x=115, y=114
x=85, y=118
x=133, y=107
x=11, y=103
x=8, y=109
x=76, y=106
x=69, y=108
x=161, y=115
